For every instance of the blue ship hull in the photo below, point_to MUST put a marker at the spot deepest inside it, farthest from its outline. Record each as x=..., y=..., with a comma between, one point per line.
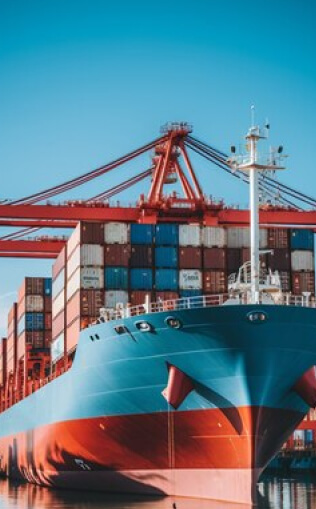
x=105, y=424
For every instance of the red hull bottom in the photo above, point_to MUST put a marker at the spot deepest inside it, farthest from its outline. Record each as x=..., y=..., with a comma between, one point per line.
x=236, y=485
x=207, y=453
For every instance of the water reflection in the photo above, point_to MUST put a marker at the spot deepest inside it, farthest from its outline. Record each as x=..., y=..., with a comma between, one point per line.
x=274, y=493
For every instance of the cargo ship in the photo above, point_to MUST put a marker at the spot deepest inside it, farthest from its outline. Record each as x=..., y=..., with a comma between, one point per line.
x=155, y=391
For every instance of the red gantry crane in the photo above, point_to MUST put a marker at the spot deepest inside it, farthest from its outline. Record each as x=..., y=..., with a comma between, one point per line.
x=171, y=163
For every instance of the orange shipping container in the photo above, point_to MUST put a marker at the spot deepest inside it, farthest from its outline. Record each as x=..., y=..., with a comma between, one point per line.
x=138, y=297
x=214, y=281
x=303, y=282
x=84, y=303
x=278, y=237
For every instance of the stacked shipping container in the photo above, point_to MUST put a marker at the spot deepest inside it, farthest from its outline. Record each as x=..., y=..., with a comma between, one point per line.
x=34, y=333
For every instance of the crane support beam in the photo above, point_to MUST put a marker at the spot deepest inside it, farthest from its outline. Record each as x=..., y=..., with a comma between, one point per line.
x=226, y=216
x=32, y=256
x=31, y=246
x=49, y=223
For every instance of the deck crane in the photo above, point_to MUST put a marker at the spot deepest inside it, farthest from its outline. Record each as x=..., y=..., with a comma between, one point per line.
x=170, y=163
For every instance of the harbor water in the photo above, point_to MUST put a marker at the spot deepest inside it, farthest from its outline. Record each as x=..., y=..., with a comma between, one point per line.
x=274, y=493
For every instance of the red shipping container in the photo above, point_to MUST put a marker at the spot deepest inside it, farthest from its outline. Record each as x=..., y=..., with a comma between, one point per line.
x=214, y=258
x=59, y=263
x=85, y=233
x=214, y=281
x=190, y=258
x=48, y=321
x=48, y=304
x=166, y=296
x=233, y=260
x=47, y=339
x=285, y=278
x=85, y=303
x=3, y=361
x=58, y=324
x=141, y=256
x=278, y=238
x=303, y=282
x=280, y=259
x=31, y=286
x=117, y=254
x=138, y=297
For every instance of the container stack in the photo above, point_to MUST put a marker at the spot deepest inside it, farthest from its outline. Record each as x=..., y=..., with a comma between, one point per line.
x=166, y=261
x=11, y=354
x=302, y=261
x=3, y=372
x=190, y=244
x=280, y=256
x=34, y=332
x=85, y=280
x=141, y=263
x=215, y=260
x=113, y=264
x=117, y=252
x=59, y=274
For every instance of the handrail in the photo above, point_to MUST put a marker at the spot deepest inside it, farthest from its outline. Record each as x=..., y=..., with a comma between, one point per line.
x=201, y=301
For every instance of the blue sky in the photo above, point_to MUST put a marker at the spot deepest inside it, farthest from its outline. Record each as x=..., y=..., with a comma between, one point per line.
x=82, y=82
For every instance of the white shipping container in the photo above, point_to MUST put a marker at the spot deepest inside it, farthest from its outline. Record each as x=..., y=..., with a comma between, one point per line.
x=58, y=284
x=73, y=284
x=189, y=235
x=302, y=260
x=57, y=347
x=92, y=255
x=190, y=279
x=238, y=237
x=214, y=236
x=58, y=304
x=73, y=262
x=87, y=255
x=116, y=233
x=263, y=238
x=92, y=277
x=73, y=240
x=34, y=303
x=113, y=297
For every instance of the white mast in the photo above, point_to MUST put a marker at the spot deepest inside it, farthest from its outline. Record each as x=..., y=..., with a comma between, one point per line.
x=252, y=137
x=253, y=166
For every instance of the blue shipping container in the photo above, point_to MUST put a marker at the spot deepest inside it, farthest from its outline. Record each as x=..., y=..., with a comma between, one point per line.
x=142, y=233
x=166, y=257
x=167, y=279
x=302, y=239
x=48, y=286
x=141, y=279
x=167, y=234
x=190, y=293
x=34, y=321
x=116, y=278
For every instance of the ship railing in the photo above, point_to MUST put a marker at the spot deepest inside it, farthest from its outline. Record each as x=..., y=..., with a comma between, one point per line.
x=202, y=301
x=198, y=301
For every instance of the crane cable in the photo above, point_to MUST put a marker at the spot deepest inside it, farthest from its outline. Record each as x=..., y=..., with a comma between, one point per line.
x=78, y=181
x=240, y=175
x=220, y=156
